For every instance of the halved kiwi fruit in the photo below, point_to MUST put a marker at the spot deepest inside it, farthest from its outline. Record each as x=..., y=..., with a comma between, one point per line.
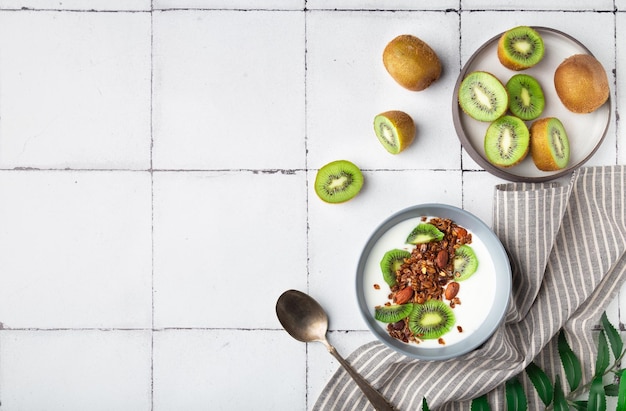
x=424, y=233
x=465, y=262
x=482, y=96
x=395, y=130
x=431, y=320
x=506, y=141
x=549, y=145
x=392, y=313
x=338, y=181
x=526, y=98
x=520, y=48
x=391, y=262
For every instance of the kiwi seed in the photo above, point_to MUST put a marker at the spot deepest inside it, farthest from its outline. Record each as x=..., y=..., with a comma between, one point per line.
x=482, y=96
x=465, y=262
x=507, y=141
x=431, y=320
x=338, y=181
x=549, y=145
x=395, y=130
x=520, y=48
x=411, y=62
x=424, y=233
x=392, y=313
x=391, y=262
x=526, y=98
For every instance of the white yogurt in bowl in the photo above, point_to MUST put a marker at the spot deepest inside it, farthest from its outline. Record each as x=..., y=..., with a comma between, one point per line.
x=484, y=296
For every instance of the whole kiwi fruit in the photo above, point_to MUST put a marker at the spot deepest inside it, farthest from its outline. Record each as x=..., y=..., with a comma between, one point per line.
x=581, y=83
x=411, y=62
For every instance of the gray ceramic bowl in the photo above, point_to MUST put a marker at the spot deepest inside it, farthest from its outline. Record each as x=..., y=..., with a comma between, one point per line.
x=585, y=132
x=484, y=296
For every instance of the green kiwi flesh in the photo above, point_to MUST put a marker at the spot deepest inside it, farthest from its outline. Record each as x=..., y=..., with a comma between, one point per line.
x=424, y=233
x=391, y=262
x=482, y=96
x=520, y=48
x=465, y=262
x=507, y=141
x=392, y=313
x=338, y=181
x=526, y=98
x=431, y=320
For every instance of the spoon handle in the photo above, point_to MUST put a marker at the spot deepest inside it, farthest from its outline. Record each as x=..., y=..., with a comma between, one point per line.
x=377, y=400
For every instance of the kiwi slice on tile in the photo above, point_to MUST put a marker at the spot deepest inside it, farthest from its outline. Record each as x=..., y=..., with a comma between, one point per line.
x=549, y=145
x=431, y=320
x=395, y=130
x=465, y=262
x=482, y=96
x=424, y=233
x=338, y=181
x=526, y=98
x=520, y=48
x=507, y=141
x=391, y=262
x=392, y=313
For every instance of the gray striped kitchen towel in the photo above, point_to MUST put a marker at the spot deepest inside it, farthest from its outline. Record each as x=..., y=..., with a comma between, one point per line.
x=567, y=246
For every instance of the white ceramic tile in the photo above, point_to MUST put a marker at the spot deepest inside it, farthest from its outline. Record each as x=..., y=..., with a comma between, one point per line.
x=230, y=4
x=88, y=5
x=347, y=85
x=75, y=90
x=620, y=5
x=219, y=370
x=75, y=249
x=222, y=239
x=75, y=370
x=597, y=5
x=228, y=90
x=338, y=232
x=478, y=194
x=387, y=5
x=322, y=366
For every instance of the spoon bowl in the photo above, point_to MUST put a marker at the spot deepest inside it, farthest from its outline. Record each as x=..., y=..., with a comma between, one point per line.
x=305, y=320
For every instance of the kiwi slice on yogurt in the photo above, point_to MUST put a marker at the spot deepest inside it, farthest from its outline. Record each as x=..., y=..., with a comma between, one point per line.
x=391, y=262
x=465, y=263
x=431, y=320
x=338, y=181
x=424, y=233
x=392, y=313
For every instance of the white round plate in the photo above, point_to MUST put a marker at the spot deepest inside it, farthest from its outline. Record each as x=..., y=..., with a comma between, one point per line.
x=585, y=131
x=484, y=296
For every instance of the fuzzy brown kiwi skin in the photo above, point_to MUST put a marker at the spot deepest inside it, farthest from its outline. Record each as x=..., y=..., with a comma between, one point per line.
x=411, y=62
x=405, y=128
x=539, y=145
x=581, y=83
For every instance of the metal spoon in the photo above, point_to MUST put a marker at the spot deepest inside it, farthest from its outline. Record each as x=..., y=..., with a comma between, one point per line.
x=305, y=320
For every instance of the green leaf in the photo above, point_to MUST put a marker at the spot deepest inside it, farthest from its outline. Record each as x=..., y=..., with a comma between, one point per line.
x=617, y=345
x=611, y=390
x=602, y=361
x=579, y=405
x=597, y=398
x=560, y=403
x=571, y=363
x=621, y=396
x=480, y=404
x=541, y=382
x=515, y=396
x=425, y=405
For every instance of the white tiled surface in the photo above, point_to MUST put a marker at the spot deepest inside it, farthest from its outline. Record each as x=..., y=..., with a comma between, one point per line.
x=156, y=168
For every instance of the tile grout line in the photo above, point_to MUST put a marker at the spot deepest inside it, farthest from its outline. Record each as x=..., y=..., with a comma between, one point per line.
x=306, y=195
x=151, y=119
